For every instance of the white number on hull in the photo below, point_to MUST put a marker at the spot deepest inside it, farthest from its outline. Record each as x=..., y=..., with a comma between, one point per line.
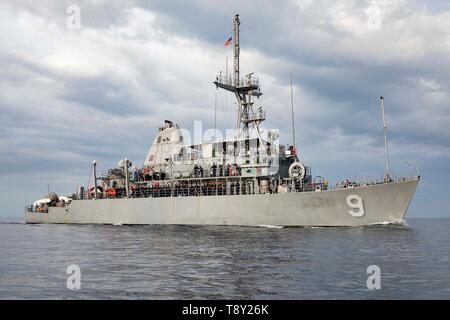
x=356, y=204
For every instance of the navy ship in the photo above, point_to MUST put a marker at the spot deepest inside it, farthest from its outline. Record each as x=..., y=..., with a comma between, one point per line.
x=246, y=179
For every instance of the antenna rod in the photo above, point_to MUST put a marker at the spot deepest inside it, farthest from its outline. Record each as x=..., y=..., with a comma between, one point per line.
x=215, y=115
x=385, y=137
x=94, y=174
x=127, y=178
x=226, y=68
x=292, y=111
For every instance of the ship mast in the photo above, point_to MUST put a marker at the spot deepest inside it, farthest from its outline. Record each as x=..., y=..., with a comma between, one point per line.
x=244, y=89
x=236, y=49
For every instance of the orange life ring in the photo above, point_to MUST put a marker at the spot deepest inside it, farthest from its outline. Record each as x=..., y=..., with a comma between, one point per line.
x=111, y=192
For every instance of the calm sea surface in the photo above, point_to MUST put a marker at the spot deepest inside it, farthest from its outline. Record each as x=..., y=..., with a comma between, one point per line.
x=182, y=262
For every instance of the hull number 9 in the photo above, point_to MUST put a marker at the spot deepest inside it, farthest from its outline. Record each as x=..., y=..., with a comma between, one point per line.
x=356, y=205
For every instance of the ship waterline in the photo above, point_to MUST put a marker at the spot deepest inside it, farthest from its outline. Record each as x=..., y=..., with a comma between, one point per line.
x=347, y=207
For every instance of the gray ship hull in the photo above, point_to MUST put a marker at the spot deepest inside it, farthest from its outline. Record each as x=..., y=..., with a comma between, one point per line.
x=359, y=206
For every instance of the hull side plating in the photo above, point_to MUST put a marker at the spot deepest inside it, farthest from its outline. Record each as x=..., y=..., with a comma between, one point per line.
x=386, y=202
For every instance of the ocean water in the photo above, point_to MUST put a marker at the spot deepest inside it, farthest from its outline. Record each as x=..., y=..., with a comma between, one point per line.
x=184, y=262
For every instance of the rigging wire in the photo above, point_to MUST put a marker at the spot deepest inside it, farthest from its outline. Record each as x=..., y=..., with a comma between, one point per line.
x=215, y=114
x=89, y=180
x=292, y=113
x=225, y=109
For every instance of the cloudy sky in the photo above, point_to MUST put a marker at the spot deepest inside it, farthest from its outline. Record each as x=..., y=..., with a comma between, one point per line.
x=70, y=95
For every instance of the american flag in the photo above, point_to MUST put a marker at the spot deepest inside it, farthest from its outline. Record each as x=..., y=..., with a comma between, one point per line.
x=228, y=42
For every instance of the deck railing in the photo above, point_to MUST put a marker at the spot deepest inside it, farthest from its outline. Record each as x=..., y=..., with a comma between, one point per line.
x=368, y=182
x=196, y=187
x=241, y=82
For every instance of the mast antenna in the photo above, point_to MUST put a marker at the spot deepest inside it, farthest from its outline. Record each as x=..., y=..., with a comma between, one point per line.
x=236, y=49
x=386, y=149
x=292, y=112
x=236, y=53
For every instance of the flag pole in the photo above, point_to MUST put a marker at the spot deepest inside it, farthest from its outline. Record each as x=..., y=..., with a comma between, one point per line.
x=226, y=67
